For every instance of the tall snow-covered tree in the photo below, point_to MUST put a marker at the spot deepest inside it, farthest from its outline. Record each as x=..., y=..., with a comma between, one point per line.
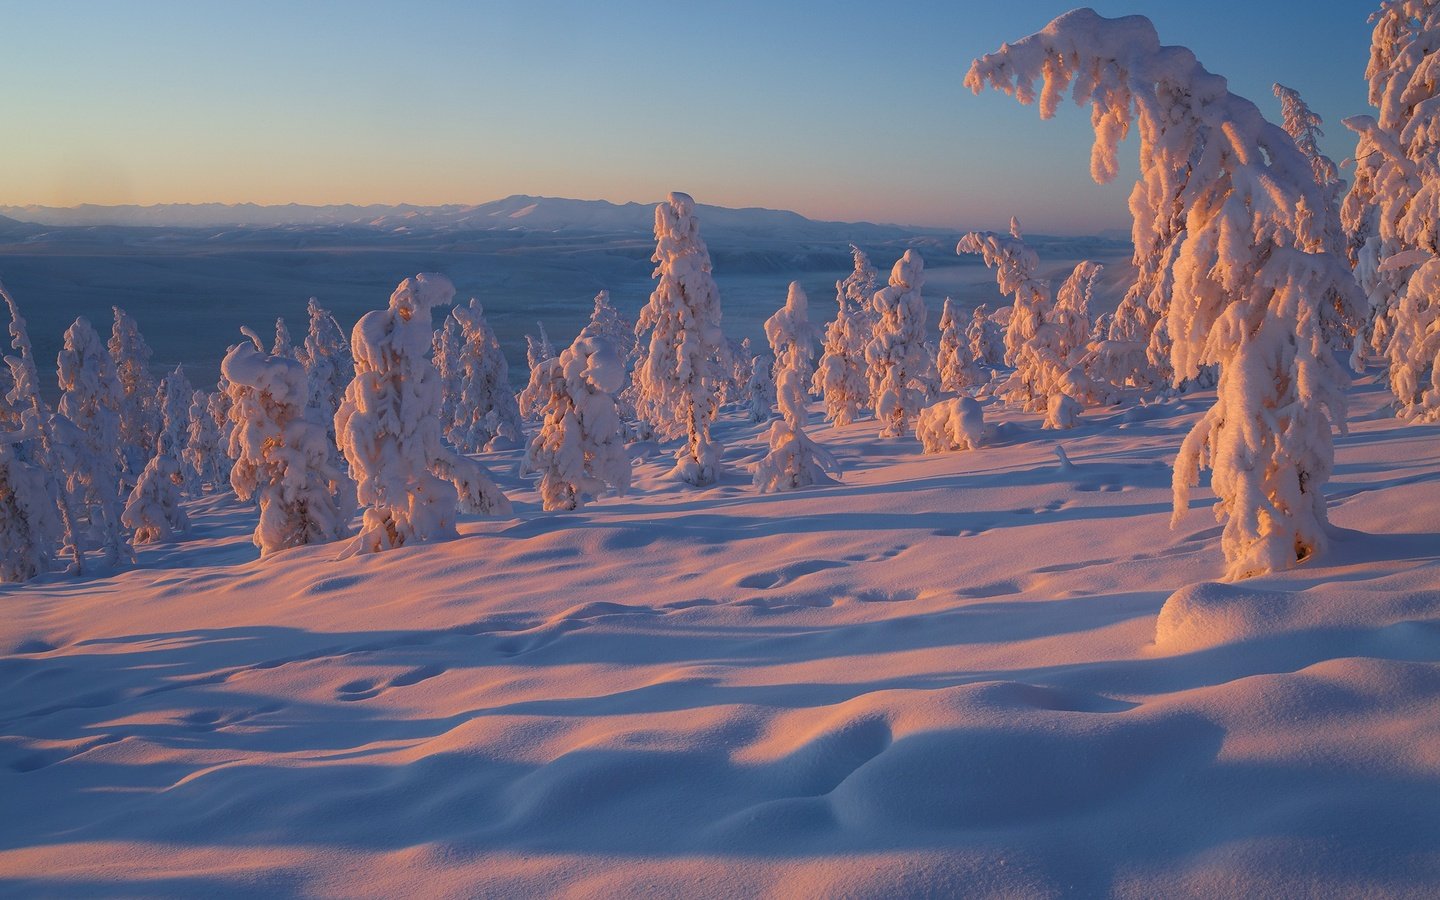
x=580, y=447
x=794, y=460
x=840, y=378
x=205, y=445
x=283, y=345
x=91, y=399
x=985, y=337
x=1390, y=212
x=678, y=376
x=329, y=367
x=896, y=354
x=1231, y=254
x=153, y=511
x=760, y=389
x=484, y=414
x=389, y=427
x=859, y=287
x=282, y=458
x=139, y=408
x=955, y=365
x=175, y=396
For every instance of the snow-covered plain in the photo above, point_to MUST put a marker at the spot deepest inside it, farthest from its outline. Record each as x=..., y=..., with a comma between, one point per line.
x=976, y=673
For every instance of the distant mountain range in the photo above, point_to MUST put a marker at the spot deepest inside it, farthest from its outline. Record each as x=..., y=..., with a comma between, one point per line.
x=516, y=213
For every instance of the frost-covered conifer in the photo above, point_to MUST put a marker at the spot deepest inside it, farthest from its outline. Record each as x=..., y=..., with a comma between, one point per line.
x=139, y=408
x=953, y=361
x=1230, y=250
x=840, y=378
x=896, y=354
x=283, y=344
x=91, y=398
x=985, y=337
x=580, y=447
x=446, y=356
x=329, y=367
x=153, y=511
x=282, y=458
x=760, y=389
x=794, y=460
x=485, y=415
x=859, y=287
x=678, y=377
x=205, y=444
x=174, y=434
x=389, y=427
x=1390, y=211
x=32, y=526
x=954, y=424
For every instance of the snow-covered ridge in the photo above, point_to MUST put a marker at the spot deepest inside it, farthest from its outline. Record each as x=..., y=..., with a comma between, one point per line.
x=518, y=211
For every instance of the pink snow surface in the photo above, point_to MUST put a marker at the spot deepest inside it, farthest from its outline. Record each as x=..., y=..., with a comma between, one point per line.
x=952, y=674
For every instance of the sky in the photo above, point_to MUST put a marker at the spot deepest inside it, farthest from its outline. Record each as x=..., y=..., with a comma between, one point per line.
x=838, y=110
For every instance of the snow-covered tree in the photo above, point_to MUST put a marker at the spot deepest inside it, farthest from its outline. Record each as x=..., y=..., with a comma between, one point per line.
x=91, y=399
x=794, y=460
x=953, y=361
x=1230, y=251
x=1047, y=334
x=954, y=424
x=537, y=351
x=32, y=525
x=282, y=458
x=139, y=409
x=174, y=433
x=580, y=447
x=1305, y=126
x=840, y=378
x=760, y=389
x=678, y=376
x=896, y=354
x=389, y=427
x=329, y=367
x=484, y=414
x=1390, y=212
x=446, y=356
x=153, y=510
x=859, y=287
x=283, y=345
x=205, y=444
x=985, y=337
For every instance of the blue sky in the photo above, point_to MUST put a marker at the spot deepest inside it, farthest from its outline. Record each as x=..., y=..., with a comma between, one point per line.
x=837, y=110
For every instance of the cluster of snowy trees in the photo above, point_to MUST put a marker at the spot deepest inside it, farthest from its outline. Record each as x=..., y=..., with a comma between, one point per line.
x=1253, y=266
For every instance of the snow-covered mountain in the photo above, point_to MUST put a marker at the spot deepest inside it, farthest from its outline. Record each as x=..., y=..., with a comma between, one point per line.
x=518, y=212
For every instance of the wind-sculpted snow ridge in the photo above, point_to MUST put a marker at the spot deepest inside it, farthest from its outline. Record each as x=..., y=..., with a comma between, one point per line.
x=977, y=673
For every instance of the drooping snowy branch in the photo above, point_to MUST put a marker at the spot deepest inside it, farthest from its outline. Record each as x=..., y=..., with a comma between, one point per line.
x=1231, y=257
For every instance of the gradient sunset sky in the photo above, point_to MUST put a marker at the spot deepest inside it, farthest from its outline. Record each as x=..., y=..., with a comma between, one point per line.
x=836, y=110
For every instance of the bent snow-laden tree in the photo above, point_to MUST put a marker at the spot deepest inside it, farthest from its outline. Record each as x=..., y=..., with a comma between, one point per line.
x=896, y=355
x=1232, y=263
x=1392, y=212
x=678, y=376
x=794, y=460
x=580, y=447
x=389, y=427
x=282, y=457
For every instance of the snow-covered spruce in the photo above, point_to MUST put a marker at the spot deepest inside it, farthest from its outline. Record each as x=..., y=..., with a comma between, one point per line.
x=389, y=427
x=483, y=414
x=1238, y=268
x=139, y=407
x=840, y=378
x=985, y=337
x=153, y=511
x=176, y=395
x=1390, y=211
x=537, y=351
x=282, y=459
x=954, y=424
x=859, y=287
x=760, y=389
x=794, y=460
x=895, y=355
x=329, y=367
x=678, y=377
x=283, y=345
x=580, y=447
x=34, y=450
x=953, y=362
x=29, y=526
x=205, y=444
x=91, y=399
